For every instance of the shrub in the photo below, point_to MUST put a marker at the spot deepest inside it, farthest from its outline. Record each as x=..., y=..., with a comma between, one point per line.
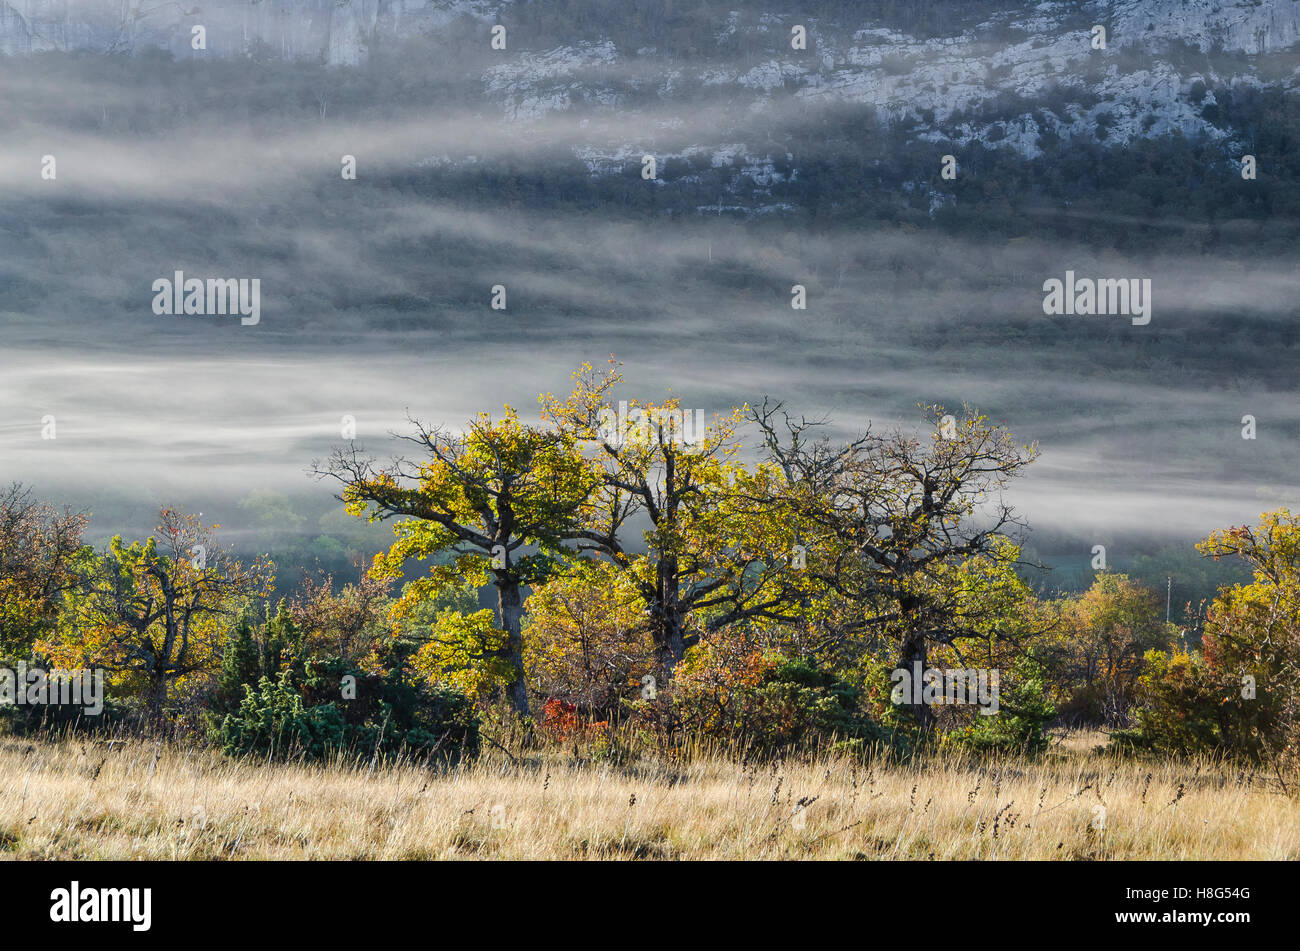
x=241, y=666
x=1240, y=693
x=561, y=723
x=1093, y=658
x=777, y=703
x=375, y=714
x=1024, y=710
x=587, y=638
x=1188, y=707
x=28, y=719
x=273, y=721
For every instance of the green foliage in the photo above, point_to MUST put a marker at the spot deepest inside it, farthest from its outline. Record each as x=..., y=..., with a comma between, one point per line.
x=341, y=710
x=394, y=712
x=248, y=659
x=272, y=721
x=241, y=666
x=1024, y=711
x=284, y=648
x=40, y=553
x=1239, y=694
x=58, y=718
x=792, y=705
x=1184, y=710
x=1093, y=653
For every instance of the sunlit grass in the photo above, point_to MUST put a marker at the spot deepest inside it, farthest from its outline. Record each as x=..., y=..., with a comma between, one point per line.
x=80, y=799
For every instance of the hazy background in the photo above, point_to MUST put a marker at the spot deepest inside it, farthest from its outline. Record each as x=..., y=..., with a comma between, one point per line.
x=375, y=292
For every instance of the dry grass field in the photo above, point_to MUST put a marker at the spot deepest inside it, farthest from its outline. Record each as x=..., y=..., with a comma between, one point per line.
x=84, y=800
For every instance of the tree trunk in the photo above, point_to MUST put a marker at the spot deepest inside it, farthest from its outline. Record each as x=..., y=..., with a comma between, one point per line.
x=668, y=626
x=157, y=699
x=511, y=607
x=912, y=658
x=669, y=643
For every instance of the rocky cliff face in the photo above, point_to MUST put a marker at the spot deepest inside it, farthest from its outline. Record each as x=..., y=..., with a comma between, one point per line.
x=1245, y=26
x=342, y=31
x=338, y=32
x=1012, y=58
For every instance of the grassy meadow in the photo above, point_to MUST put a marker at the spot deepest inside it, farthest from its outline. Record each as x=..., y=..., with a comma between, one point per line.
x=133, y=799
